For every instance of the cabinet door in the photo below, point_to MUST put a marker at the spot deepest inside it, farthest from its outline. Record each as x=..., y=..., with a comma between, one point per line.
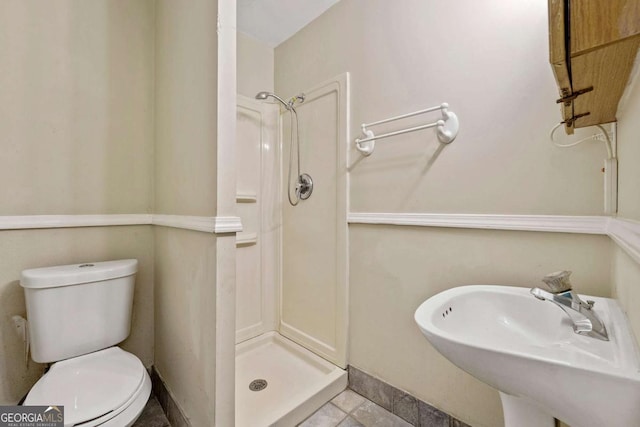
x=592, y=47
x=558, y=56
x=607, y=70
x=597, y=23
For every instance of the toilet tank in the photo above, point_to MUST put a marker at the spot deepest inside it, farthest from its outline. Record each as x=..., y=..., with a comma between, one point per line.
x=77, y=309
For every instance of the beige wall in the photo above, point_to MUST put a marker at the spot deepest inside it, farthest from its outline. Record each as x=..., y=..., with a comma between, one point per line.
x=255, y=66
x=77, y=106
x=489, y=61
x=629, y=151
x=626, y=272
x=96, y=120
x=77, y=137
x=185, y=307
x=186, y=94
x=186, y=67
x=626, y=281
x=394, y=269
x=22, y=249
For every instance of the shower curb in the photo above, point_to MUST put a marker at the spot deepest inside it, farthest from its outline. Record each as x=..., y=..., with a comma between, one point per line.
x=411, y=409
x=171, y=409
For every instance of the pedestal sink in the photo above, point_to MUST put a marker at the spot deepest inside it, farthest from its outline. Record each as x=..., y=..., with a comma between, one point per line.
x=527, y=349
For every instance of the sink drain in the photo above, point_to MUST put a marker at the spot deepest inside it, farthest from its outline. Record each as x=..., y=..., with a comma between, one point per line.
x=258, y=385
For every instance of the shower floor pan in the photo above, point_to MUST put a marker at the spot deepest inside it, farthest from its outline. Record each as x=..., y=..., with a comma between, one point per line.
x=298, y=382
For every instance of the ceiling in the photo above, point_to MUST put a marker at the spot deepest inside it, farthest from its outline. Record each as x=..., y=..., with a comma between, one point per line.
x=274, y=21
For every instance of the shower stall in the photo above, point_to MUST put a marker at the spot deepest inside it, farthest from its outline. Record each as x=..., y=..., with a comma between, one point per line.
x=291, y=258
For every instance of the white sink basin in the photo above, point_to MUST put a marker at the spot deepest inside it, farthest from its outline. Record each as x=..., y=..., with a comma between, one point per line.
x=527, y=349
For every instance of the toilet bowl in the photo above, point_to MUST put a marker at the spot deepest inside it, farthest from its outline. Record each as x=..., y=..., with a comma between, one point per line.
x=109, y=386
x=77, y=314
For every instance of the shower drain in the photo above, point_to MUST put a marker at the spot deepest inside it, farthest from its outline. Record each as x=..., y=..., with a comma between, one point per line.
x=258, y=385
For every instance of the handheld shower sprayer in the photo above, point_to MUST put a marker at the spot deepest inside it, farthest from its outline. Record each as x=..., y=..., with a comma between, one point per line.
x=264, y=95
x=304, y=183
x=288, y=105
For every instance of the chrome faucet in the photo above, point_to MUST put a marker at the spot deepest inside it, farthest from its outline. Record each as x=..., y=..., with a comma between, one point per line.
x=585, y=320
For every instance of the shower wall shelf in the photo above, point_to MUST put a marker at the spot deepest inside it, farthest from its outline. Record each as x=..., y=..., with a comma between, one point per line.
x=246, y=198
x=246, y=239
x=446, y=128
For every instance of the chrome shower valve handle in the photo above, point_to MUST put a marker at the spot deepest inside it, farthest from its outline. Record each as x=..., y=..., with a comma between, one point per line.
x=304, y=186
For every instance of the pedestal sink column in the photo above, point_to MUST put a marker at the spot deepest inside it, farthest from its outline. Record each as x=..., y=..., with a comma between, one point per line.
x=519, y=412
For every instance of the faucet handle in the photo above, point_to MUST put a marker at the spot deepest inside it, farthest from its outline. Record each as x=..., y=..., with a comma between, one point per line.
x=558, y=282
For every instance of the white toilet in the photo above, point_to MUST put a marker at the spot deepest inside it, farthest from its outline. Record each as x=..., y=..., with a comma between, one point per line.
x=77, y=314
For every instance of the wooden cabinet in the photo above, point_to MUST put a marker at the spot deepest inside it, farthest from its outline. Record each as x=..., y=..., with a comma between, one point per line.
x=592, y=48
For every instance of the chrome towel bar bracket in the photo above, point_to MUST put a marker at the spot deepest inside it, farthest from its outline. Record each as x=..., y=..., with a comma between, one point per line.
x=446, y=128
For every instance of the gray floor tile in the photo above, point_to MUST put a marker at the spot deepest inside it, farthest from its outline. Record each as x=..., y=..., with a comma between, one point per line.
x=457, y=423
x=406, y=407
x=348, y=400
x=152, y=415
x=327, y=416
x=371, y=415
x=371, y=388
x=432, y=417
x=350, y=422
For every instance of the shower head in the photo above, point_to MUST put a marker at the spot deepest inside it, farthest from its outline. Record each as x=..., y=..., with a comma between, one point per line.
x=264, y=95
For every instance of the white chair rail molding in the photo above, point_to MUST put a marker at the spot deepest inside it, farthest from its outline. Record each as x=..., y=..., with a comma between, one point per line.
x=213, y=224
x=624, y=232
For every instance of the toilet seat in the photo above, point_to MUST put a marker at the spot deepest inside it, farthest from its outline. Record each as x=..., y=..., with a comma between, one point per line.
x=108, y=387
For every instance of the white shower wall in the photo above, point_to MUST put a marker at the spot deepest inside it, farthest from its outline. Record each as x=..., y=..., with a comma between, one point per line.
x=297, y=287
x=270, y=276
x=314, y=293
x=258, y=204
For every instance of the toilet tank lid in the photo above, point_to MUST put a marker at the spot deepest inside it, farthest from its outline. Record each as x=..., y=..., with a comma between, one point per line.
x=65, y=275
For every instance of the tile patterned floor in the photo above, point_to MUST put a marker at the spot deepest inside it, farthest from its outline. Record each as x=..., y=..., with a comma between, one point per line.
x=152, y=415
x=349, y=409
